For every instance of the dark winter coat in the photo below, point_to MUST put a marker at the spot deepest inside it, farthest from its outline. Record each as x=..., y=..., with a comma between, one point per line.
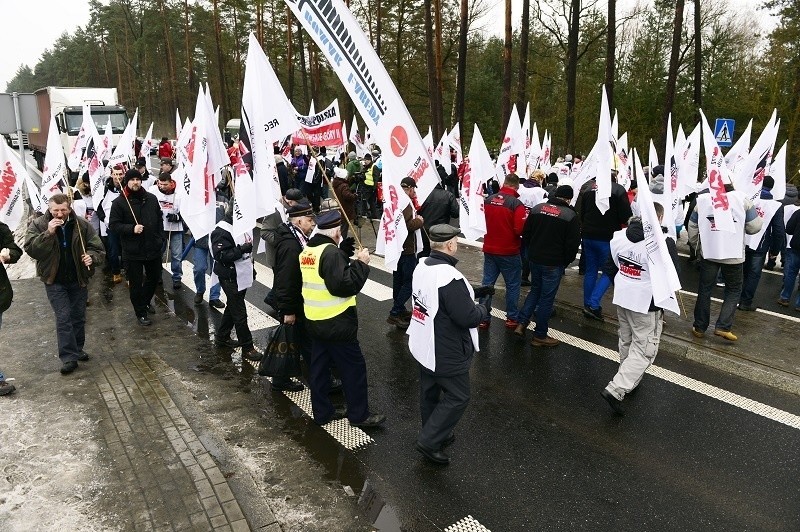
x=596, y=226
x=457, y=314
x=148, y=244
x=225, y=252
x=288, y=285
x=7, y=241
x=343, y=278
x=345, y=197
x=439, y=207
x=552, y=233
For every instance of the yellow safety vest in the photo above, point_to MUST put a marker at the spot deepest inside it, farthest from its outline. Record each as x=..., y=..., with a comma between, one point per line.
x=368, y=176
x=318, y=303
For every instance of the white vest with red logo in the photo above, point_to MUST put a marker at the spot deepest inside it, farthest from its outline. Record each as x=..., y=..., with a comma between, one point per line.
x=716, y=244
x=632, y=287
x=425, y=304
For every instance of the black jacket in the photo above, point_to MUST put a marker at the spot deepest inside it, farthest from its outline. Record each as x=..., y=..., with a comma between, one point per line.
x=596, y=226
x=439, y=207
x=791, y=229
x=457, y=314
x=635, y=233
x=225, y=252
x=148, y=244
x=343, y=278
x=7, y=241
x=288, y=283
x=552, y=233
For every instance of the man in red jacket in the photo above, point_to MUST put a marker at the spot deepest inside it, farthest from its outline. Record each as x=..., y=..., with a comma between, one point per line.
x=505, y=219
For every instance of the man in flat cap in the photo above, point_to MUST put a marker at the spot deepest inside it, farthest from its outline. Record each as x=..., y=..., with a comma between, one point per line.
x=443, y=337
x=331, y=282
x=552, y=233
x=399, y=316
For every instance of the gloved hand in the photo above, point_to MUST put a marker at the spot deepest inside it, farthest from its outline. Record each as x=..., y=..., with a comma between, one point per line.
x=173, y=217
x=348, y=245
x=247, y=247
x=483, y=291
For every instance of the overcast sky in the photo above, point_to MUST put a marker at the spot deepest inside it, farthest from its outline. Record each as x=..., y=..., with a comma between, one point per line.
x=32, y=26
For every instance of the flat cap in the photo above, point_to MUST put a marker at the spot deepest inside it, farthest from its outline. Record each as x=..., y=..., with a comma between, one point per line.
x=294, y=194
x=329, y=220
x=301, y=208
x=443, y=232
x=167, y=160
x=408, y=182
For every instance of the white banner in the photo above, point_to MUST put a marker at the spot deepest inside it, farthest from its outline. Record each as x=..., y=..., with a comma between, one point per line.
x=716, y=172
x=148, y=143
x=76, y=152
x=350, y=53
x=53, y=181
x=320, y=129
x=512, y=148
x=124, y=150
x=477, y=164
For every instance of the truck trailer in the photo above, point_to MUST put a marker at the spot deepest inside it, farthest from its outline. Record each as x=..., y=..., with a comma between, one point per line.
x=66, y=105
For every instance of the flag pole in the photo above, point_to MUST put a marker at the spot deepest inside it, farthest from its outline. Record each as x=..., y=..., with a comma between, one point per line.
x=77, y=225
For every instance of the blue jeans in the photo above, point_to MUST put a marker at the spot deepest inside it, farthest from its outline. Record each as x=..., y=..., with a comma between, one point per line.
x=401, y=283
x=69, y=306
x=544, y=285
x=175, y=241
x=203, y=263
x=511, y=268
x=791, y=267
x=732, y=276
x=596, y=253
x=753, y=262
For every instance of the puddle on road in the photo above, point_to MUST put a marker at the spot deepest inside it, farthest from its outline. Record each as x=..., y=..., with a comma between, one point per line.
x=341, y=465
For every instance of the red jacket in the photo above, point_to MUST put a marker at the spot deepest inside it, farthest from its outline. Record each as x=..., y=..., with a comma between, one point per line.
x=505, y=219
x=164, y=150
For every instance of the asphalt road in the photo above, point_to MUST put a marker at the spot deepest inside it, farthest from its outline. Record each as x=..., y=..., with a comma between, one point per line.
x=538, y=448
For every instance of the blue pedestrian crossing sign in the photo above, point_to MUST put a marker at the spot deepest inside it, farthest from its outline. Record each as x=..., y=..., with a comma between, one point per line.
x=723, y=132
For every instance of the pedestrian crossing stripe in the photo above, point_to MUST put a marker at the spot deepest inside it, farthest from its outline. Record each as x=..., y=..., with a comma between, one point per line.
x=468, y=524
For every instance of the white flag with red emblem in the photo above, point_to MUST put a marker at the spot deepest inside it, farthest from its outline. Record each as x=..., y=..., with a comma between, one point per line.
x=53, y=175
x=147, y=144
x=749, y=177
x=511, y=149
x=123, y=152
x=455, y=143
x=442, y=152
x=76, y=153
x=355, y=138
x=717, y=174
x=474, y=173
x=12, y=176
x=106, y=143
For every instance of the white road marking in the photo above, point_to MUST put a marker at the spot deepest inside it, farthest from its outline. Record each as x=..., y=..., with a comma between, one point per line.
x=761, y=310
x=468, y=524
x=352, y=438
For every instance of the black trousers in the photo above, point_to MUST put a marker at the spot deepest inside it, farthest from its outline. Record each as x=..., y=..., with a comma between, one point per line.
x=69, y=306
x=143, y=276
x=235, y=315
x=353, y=372
x=442, y=401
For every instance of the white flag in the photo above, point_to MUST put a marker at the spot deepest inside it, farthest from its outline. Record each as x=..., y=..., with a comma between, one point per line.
x=123, y=152
x=535, y=149
x=689, y=163
x=604, y=154
x=244, y=200
x=716, y=173
x=652, y=158
x=177, y=124
x=427, y=141
x=740, y=150
x=667, y=198
x=76, y=152
x=147, y=144
x=106, y=142
x=442, y=153
x=511, y=148
x=778, y=172
x=12, y=176
x=53, y=181
x=750, y=176
x=268, y=117
x=663, y=277
x=355, y=138
x=477, y=169
x=455, y=143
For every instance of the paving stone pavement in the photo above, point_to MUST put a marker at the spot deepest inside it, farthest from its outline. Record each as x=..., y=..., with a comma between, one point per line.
x=173, y=483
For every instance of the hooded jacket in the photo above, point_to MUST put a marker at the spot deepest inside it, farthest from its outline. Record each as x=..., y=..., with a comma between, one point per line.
x=7, y=241
x=597, y=226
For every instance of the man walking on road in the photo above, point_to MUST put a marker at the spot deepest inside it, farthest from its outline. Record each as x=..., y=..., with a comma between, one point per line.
x=67, y=251
x=552, y=235
x=399, y=315
x=505, y=219
x=10, y=253
x=330, y=284
x=443, y=337
x=136, y=219
x=164, y=191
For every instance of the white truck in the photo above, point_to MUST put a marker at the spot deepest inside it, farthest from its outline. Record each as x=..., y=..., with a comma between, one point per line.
x=66, y=105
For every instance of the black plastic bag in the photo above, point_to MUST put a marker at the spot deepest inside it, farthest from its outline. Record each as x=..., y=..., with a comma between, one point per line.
x=282, y=355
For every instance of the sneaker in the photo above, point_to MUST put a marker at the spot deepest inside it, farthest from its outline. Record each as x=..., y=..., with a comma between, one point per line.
x=511, y=324
x=69, y=367
x=216, y=303
x=698, y=333
x=593, y=313
x=783, y=302
x=6, y=388
x=144, y=321
x=177, y=285
x=547, y=341
x=613, y=402
x=198, y=299
x=726, y=334
x=484, y=325
x=398, y=321
x=373, y=420
x=117, y=278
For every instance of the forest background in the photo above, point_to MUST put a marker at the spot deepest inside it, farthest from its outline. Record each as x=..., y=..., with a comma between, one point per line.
x=654, y=57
